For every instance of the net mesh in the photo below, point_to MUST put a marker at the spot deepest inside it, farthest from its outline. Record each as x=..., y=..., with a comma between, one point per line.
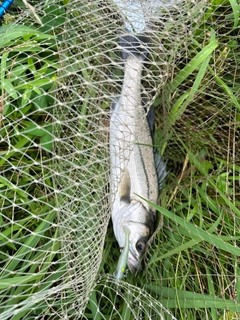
x=58, y=80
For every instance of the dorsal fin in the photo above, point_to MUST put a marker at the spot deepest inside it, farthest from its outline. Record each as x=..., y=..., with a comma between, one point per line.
x=160, y=168
x=159, y=163
x=151, y=119
x=125, y=187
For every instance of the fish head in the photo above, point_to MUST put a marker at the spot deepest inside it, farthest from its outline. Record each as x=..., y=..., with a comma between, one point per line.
x=140, y=223
x=138, y=245
x=138, y=218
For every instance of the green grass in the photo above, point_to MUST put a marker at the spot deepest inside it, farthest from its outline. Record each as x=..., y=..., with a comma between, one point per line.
x=192, y=267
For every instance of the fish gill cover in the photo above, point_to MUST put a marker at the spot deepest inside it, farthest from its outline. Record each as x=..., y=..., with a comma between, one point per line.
x=59, y=77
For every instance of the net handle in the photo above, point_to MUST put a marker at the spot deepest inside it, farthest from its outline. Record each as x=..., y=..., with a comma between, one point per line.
x=4, y=7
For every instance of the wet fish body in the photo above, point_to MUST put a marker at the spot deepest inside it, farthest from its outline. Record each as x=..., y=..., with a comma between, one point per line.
x=133, y=166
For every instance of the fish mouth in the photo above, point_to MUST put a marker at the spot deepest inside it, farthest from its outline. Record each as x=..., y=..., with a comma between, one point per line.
x=133, y=263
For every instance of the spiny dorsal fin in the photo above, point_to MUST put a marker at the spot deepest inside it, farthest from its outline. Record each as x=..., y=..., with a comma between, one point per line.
x=125, y=187
x=160, y=168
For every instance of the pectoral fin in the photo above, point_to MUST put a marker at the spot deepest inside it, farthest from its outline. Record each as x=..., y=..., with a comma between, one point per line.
x=125, y=187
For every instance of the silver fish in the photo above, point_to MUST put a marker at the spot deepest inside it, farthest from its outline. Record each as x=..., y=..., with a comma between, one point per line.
x=133, y=165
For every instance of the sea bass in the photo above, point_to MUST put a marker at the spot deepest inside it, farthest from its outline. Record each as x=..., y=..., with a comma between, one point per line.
x=133, y=164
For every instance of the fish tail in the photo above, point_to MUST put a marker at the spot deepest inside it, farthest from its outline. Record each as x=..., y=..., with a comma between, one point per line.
x=134, y=45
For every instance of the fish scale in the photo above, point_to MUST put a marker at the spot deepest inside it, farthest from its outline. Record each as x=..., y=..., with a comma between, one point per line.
x=130, y=138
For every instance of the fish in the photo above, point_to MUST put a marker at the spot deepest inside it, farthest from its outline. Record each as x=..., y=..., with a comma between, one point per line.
x=135, y=168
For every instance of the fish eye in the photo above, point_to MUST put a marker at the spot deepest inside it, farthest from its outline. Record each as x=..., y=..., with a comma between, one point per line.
x=141, y=246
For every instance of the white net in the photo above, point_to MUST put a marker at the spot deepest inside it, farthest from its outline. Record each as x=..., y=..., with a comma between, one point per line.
x=58, y=80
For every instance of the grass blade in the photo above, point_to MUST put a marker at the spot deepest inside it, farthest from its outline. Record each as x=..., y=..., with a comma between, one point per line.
x=193, y=65
x=196, y=231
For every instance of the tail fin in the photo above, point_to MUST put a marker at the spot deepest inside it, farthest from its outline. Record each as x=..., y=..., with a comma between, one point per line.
x=134, y=45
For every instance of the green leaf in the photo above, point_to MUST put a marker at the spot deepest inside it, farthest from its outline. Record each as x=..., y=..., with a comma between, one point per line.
x=6, y=85
x=236, y=12
x=34, y=130
x=186, y=245
x=26, y=97
x=31, y=242
x=173, y=298
x=41, y=102
x=199, y=166
x=196, y=231
x=34, y=84
x=47, y=142
x=193, y=65
x=16, y=281
x=227, y=89
x=15, y=31
x=183, y=102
